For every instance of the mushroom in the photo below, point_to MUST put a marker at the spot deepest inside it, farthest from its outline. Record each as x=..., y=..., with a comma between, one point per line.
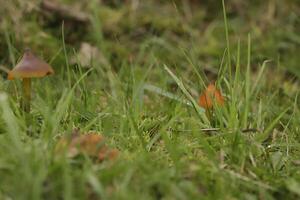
x=29, y=67
x=209, y=96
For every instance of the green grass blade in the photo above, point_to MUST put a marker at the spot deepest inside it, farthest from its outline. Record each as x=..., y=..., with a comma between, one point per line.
x=200, y=111
x=266, y=133
x=247, y=87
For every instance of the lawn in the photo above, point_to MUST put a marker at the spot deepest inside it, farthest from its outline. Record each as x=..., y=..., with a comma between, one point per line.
x=120, y=118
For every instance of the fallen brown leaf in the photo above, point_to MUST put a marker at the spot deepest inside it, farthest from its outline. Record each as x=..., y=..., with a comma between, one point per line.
x=87, y=55
x=91, y=144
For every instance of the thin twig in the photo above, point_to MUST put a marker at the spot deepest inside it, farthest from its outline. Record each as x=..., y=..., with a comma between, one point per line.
x=218, y=129
x=64, y=11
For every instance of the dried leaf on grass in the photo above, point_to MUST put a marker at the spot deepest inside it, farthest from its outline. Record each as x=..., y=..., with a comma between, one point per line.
x=91, y=144
x=87, y=55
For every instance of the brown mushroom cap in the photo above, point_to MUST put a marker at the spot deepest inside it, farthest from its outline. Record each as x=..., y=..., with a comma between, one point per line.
x=29, y=67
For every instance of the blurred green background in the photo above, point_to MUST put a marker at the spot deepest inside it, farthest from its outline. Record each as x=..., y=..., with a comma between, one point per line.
x=122, y=29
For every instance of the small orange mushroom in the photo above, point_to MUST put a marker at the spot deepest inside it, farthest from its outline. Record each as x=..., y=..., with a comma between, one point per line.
x=29, y=67
x=209, y=96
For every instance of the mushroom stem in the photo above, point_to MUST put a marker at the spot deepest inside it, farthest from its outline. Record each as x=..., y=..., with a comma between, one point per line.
x=26, y=94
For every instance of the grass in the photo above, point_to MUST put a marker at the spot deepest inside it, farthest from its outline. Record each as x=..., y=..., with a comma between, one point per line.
x=144, y=101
